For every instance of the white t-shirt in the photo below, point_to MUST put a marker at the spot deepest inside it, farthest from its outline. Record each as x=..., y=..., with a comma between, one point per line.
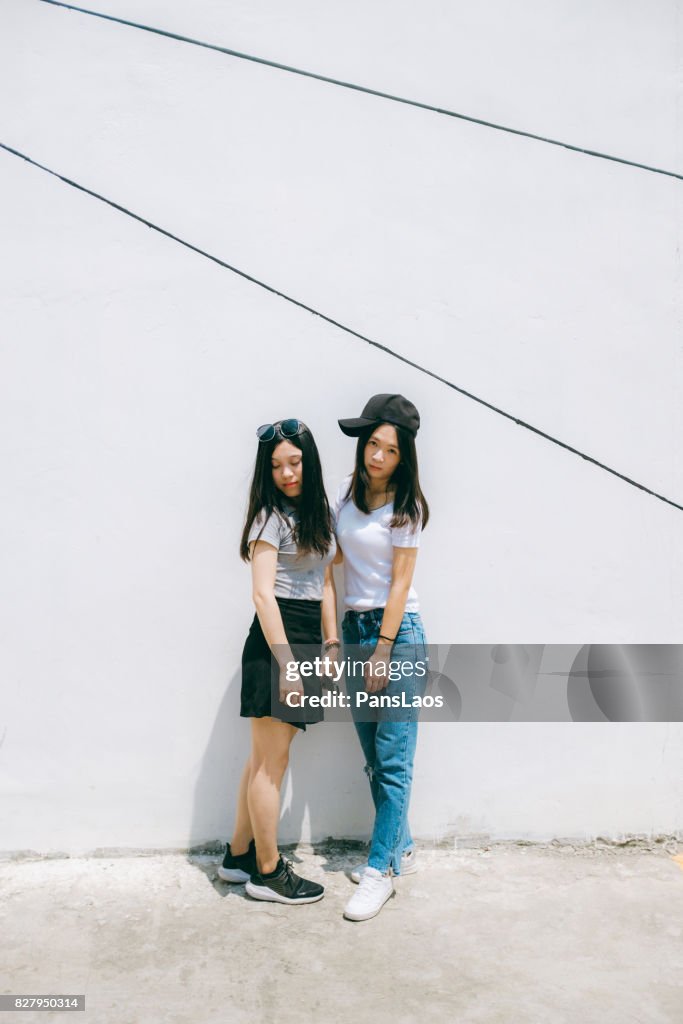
x=368, y=542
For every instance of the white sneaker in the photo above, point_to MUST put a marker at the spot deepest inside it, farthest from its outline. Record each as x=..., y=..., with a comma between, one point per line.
x=373, y=892
x=408, y=867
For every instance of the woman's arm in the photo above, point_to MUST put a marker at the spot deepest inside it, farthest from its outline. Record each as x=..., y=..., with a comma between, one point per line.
x=331, y=643
x=263, y=570
x=329, y=608
x=402, y=569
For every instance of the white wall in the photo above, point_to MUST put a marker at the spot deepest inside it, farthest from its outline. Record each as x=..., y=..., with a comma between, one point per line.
x=133, y=373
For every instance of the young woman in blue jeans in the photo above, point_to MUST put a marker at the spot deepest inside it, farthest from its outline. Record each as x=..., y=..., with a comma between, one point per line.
x=380, y=513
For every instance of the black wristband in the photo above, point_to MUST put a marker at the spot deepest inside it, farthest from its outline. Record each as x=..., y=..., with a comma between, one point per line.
x=391, y=639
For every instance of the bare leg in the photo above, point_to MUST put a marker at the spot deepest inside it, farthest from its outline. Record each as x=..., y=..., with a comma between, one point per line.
x=270, y=742
x=243, y=832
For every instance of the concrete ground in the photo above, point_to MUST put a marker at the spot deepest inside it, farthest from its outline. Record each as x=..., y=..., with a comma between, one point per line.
x=497, y=935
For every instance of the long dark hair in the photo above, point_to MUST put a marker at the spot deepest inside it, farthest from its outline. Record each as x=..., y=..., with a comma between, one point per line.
x=410, y=504
x=313, y=531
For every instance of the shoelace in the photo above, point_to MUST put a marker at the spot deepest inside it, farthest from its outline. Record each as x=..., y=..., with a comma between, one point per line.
x=289, y=870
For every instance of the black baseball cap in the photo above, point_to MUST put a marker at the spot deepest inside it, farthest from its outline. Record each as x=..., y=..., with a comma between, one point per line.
x=384, y=409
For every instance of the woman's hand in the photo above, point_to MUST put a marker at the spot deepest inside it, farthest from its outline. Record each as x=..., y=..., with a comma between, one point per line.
x=377, y=668
x=292, y=685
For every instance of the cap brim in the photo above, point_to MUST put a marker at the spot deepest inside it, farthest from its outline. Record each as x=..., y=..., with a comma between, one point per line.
x=353, y=427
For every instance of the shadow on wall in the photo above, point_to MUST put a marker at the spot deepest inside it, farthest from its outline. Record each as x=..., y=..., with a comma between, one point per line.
x=219, y=772
x=324, y=786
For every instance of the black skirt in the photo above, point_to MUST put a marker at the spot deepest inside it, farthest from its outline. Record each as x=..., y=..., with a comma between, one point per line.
x=260, y=696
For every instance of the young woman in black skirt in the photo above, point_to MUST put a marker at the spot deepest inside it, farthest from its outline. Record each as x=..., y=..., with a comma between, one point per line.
x=288, y=538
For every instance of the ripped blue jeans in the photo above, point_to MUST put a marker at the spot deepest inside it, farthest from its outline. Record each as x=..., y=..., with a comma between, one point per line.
x=387, y=736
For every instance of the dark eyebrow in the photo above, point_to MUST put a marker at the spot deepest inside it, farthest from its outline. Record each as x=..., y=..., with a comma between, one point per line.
x=378, y=440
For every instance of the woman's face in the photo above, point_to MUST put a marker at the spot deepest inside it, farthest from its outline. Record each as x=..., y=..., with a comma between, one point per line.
x=287, y=465
x=382, y=456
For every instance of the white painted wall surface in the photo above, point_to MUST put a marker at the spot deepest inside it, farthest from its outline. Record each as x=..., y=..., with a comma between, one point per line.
x=133, y=373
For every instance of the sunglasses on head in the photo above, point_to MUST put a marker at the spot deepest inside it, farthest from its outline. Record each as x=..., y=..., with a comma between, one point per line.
x=285, y=428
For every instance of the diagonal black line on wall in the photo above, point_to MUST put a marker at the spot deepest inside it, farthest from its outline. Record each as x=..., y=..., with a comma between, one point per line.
x=362, y=88
x=342, y=327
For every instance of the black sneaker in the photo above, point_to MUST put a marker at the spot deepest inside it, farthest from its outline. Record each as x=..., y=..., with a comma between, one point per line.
x=284, y=886
x=240, y=868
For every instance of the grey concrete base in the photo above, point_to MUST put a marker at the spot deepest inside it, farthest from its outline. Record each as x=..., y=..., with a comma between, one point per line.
x=523, y=935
